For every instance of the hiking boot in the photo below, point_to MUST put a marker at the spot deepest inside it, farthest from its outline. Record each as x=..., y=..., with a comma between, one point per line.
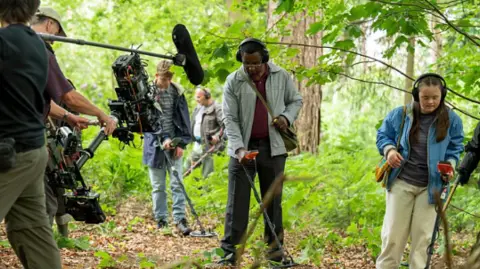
x=182, y=226
x=161, y=224
x=274, y=256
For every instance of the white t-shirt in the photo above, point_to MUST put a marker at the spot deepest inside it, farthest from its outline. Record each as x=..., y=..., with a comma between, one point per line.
x=198, y=124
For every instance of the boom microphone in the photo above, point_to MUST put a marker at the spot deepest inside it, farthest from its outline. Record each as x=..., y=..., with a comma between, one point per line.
x=184, y=45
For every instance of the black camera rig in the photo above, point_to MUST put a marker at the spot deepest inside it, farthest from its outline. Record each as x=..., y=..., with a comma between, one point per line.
x=63, y=171
x=135, y=112
x=135, y=108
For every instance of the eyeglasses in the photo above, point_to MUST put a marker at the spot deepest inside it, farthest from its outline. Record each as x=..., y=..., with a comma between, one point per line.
x=252, y=65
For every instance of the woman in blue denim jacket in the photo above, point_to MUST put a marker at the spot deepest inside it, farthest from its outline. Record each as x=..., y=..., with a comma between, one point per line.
x=432, y=132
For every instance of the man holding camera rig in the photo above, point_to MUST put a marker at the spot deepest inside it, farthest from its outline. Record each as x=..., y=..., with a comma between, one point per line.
x=60, y=90
x=175, y=125
x=23, y=156
x=207, y=130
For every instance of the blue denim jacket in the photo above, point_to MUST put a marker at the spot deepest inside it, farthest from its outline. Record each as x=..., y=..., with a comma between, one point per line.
x=154, y=156
x=448, y=149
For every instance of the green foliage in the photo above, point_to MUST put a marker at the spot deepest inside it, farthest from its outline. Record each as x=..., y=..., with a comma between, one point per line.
x=82, y=243
x=133, y=222
x=342, y=206
x=285, y=5
x=145, y=262
x=106, y=260
x=4, y=244
x=209, y=256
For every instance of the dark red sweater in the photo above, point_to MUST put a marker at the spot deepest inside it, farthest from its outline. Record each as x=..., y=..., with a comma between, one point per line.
x=260, y=118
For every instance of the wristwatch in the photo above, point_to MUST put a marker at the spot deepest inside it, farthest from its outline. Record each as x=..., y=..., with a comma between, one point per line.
x=65, y=116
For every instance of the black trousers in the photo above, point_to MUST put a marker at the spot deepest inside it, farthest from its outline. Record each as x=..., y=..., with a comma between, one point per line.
x=239, y=189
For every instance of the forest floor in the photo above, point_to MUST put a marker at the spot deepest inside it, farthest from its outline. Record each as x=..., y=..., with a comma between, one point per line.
x=131, y=240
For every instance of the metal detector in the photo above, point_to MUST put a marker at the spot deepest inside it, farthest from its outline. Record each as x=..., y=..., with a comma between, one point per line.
x=199, y=161
x=202, y=232
x=445, y=169
x=287, y=260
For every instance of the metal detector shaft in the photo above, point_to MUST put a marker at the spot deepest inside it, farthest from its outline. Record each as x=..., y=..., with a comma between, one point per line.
x=265, y=214
x=436, y=227
x=193, y=166
x=176, y=59
x=190, y=204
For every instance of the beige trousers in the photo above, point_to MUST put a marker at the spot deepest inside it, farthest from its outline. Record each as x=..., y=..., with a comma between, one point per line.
x=408, y=213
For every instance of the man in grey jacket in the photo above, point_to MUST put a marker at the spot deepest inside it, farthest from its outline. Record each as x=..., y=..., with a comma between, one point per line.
x=207, y=130
x=249, y=127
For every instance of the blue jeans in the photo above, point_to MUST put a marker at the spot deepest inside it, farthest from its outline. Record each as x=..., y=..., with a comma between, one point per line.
x=158, y=178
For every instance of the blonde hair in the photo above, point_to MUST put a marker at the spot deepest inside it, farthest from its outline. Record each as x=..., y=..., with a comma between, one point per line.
x=163, y=68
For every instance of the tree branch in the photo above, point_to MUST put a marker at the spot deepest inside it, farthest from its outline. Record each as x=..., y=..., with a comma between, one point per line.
x=464, y=97
x=461, y=111
x=344, y=50
x=435, y=8
x=361, y=62
x=376, y=60
x=368, y=81
x=275, y=24
x=402, y=90
x=399, y=4
x=323, y=47
x=362, y=55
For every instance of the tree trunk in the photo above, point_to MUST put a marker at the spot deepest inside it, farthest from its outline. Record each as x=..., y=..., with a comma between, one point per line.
x=437, y=45
x=232, y=15
x=308, y=124
x=410, y=70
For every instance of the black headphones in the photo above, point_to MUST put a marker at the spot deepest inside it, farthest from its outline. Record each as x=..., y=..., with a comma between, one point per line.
x=264, y=53
x=416, y=91
x=206, y=92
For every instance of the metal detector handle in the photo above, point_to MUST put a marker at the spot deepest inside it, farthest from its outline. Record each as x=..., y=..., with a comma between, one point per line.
x=251, y=155
x=175, y=142
x=445, y=169
x=182, y=187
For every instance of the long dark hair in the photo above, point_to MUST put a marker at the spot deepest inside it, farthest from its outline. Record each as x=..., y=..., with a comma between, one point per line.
x=443, y=121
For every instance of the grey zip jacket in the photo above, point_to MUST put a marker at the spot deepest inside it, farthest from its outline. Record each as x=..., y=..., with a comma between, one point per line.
x=239, y=107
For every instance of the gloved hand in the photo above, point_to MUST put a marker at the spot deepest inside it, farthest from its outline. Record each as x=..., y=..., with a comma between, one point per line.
x=462, y=178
